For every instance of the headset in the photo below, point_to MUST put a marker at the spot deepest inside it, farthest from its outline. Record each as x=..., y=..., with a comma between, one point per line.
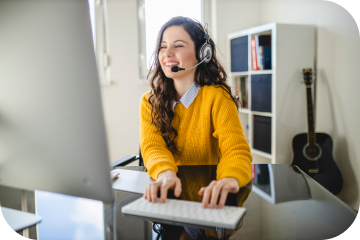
x=205, y=52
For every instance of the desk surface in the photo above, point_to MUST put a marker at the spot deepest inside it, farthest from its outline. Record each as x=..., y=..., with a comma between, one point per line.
x=284, y=203
x=281, y=203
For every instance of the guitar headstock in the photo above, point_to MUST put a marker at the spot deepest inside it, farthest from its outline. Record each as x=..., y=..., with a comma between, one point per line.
x=308, y=76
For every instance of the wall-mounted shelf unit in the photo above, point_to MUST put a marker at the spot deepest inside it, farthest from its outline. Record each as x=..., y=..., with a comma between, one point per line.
x=273, y=97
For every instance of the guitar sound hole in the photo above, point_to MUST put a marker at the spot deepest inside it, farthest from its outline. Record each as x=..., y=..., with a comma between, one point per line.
x=312, y=152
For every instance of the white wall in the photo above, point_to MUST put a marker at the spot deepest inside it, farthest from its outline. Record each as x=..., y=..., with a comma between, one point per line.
x=121, y=100
x=337, y=64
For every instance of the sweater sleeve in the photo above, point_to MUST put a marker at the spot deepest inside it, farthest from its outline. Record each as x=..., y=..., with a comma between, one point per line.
x=157, y=158
x=235, y=151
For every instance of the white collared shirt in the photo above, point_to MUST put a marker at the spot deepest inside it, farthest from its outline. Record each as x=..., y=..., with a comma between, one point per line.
x=189, y=96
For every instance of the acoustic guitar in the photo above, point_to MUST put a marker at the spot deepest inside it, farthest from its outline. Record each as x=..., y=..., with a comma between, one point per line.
x=313, y=151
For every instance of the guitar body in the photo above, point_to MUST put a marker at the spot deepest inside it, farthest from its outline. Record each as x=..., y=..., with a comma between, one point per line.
x=329, y=175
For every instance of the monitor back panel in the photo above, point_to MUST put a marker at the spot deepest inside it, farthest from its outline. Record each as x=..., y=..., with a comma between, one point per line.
x=52, y=133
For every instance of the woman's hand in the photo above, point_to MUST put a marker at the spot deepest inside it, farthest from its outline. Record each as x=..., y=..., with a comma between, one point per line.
x=165, y=181
x=223, y=187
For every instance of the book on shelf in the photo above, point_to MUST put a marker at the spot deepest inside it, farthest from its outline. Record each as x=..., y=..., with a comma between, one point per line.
x=261, y=52
x=244, y=92
x=264, y=40
x=254, y=55
x=241, y=90
x=237, y=88
x=258, y=53
x=265, y=57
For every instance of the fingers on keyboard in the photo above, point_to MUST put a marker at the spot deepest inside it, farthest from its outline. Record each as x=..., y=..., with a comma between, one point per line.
x=207, y=194
x=177, y=189
x=223, y=196
x=163, y=193
x=154, y=187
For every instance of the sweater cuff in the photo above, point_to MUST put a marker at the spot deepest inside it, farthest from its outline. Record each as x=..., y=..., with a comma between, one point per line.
x=243, y=176
x=161, y=167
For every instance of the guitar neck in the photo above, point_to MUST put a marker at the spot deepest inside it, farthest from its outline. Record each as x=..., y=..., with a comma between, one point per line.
x=311, y=127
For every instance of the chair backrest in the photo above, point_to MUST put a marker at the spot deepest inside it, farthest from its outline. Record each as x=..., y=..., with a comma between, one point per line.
x=141, y=161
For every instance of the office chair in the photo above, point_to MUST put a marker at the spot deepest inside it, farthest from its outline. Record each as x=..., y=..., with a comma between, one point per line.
x=127, y=160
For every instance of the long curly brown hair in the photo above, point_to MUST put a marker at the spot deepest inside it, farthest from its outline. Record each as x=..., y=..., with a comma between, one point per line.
x=163, y=92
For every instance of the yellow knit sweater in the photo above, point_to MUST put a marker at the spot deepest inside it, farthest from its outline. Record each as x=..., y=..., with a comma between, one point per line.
x=209, y=133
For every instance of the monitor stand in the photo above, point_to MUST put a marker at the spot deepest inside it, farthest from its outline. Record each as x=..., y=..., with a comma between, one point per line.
x=19, y=220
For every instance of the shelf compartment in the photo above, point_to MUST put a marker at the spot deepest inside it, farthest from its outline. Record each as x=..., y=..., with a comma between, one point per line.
x=261, y=51
x=239, y=54
x=261, y=92
x=241, y=90
x=262, y=133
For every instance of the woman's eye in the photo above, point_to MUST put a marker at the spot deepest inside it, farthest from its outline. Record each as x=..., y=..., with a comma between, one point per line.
x=178, y=46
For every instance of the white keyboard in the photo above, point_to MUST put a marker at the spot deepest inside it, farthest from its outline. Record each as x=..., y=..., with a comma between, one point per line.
x=186, y=212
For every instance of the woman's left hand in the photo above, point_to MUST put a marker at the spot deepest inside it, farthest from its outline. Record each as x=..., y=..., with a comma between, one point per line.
x=223, y=187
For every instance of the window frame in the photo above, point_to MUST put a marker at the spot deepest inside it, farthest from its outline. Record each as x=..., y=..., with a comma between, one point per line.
x=143, y=68
x=101, y=42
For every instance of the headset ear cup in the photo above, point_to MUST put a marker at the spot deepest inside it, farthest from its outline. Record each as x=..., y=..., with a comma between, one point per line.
x=205, y=52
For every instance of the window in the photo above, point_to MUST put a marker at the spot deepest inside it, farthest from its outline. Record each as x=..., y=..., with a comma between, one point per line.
x=98, y=17
x=152, y=15
x=92, y=18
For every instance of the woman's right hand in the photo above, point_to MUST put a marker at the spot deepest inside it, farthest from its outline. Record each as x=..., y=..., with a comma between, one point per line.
x=166, y=180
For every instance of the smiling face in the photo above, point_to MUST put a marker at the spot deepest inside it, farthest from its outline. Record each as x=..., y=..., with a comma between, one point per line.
x=177, y=49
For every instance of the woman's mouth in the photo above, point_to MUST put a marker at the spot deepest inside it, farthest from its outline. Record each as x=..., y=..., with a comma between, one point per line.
x=171, y=64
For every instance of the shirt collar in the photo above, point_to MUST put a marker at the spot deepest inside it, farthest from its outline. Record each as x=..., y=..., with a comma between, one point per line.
x=189, y=96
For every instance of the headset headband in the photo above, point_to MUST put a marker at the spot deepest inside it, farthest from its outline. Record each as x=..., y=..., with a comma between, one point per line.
x=203, y=29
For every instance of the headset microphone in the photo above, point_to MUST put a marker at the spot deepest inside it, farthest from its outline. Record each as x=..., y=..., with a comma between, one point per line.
x=176, y=69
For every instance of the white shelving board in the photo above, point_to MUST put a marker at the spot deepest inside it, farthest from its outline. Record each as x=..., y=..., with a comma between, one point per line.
x=292, y=49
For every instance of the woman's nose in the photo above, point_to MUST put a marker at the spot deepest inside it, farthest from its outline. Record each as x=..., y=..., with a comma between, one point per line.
x=168, y=52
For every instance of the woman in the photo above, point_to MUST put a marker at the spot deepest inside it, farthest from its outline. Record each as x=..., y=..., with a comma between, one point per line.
x=190, y=118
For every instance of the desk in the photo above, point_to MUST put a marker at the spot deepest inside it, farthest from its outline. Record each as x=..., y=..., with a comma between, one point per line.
x=286, y=205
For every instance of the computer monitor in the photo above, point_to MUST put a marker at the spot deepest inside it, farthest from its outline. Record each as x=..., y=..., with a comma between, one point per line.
x=52, y=131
